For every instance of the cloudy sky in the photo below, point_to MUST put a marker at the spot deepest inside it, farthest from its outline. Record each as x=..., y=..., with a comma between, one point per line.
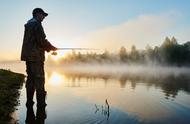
x=102, y=24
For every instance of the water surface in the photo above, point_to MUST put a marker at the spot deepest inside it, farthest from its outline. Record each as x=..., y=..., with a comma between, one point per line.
x=81, y=98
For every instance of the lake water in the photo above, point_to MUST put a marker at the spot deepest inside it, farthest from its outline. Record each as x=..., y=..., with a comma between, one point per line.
x=108, y=96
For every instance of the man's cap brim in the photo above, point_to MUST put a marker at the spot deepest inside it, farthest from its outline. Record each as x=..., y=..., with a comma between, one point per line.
x=45, y=14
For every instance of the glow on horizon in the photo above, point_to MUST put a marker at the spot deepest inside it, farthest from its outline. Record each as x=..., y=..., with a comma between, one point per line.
x=98, y=24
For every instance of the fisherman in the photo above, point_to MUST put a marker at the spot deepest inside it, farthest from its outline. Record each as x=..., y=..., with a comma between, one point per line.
x=33, y=53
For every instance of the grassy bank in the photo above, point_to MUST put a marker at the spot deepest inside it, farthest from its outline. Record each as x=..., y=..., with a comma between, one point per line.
x=10, y=82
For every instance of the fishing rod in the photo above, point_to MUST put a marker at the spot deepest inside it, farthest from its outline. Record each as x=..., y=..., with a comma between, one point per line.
x=72, y=49
x=76, y=49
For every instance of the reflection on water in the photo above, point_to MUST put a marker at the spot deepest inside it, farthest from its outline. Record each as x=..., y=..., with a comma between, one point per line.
x=55, y=79
x=170, y=85
x=80, y=98
x=105, y=110
x=39, y=118
x=112, y=98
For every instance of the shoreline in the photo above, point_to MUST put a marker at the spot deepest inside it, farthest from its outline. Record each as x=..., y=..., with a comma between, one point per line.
x=10, y=83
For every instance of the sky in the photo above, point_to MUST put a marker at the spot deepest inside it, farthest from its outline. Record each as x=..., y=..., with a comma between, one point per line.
x=101, y=24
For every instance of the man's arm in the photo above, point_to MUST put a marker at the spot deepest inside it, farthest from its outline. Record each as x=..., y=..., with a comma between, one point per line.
x=42, y=41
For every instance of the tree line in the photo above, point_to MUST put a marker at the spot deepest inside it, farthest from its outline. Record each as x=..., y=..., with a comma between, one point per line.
x=170, y=52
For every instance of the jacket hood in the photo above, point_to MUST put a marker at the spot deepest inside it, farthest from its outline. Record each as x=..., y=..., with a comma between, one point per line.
x=31, y=22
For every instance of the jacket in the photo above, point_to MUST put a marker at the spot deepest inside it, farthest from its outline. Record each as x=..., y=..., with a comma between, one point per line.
x=34, y=42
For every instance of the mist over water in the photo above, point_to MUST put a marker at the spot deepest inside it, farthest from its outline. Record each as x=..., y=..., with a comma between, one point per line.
x=118, y=70
x=141, y=94
x=109, y=69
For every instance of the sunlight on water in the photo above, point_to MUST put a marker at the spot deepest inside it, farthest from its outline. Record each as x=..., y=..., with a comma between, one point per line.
x=79, y=98
x=140, y=100
x=55, y=79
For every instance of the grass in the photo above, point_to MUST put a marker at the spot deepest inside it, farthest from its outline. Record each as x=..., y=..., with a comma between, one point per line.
x=10, y=83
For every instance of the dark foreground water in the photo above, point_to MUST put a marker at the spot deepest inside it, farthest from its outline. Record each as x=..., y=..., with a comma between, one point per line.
x=83, y=98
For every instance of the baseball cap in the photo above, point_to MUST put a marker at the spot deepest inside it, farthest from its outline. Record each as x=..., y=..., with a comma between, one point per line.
x=39, y=10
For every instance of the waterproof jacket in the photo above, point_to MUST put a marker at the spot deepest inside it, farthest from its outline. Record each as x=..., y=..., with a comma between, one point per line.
x=34, y=42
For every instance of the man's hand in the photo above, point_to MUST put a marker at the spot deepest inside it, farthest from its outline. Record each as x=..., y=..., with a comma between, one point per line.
x=54, y=48
x=54, y=53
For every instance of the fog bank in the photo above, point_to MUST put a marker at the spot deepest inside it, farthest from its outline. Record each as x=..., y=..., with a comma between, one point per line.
x=118, y=70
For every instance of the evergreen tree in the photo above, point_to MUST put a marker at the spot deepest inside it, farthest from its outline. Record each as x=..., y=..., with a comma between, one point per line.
x=123, y=54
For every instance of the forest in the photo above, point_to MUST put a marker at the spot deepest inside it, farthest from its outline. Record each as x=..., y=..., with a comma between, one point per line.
x=170, y=52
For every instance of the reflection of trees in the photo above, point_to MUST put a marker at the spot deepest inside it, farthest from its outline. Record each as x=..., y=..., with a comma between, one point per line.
x=122, y=81
x=170, y=85
x=133, y=84
x=75, y=82
x=173, y=85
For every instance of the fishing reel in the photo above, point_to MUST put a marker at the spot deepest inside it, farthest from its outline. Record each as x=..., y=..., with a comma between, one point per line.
x=54, y=53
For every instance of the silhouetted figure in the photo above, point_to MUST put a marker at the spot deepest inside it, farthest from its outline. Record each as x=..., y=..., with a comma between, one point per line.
x=30, y=117
x=33, y=53
x=39, y=118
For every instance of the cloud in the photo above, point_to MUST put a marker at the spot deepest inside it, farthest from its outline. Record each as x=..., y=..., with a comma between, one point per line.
x=139, y=31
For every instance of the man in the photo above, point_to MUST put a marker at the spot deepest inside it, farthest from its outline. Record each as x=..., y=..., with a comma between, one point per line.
x=33, y=53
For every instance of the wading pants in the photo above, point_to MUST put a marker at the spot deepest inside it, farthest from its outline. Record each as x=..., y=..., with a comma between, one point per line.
x=35, y=82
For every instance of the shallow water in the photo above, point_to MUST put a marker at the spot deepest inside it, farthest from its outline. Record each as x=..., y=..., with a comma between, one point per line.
x=78, y=98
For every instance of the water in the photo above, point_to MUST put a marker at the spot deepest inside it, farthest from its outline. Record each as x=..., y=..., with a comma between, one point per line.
x=78, y=98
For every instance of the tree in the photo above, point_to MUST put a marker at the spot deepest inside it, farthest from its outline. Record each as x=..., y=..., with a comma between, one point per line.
x=123, y=54
x=134, y=55
x=166, y=43
x=174, y=41
x=168, y=48
x=105, y=55
x=149, y=52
